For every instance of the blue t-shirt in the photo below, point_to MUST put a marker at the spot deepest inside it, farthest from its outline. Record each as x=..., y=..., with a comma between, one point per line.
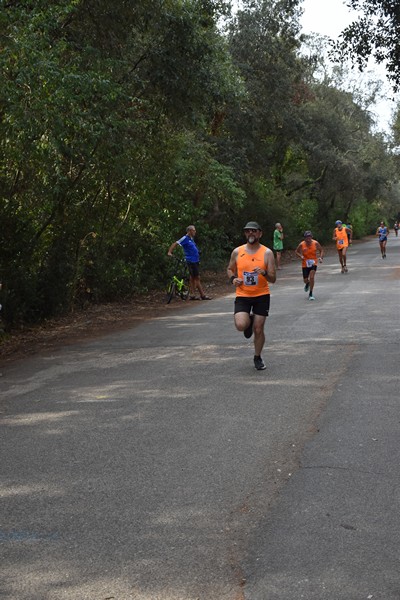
x=190, y=249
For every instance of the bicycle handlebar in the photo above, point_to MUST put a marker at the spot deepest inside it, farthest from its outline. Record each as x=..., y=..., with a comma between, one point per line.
x=181, y=261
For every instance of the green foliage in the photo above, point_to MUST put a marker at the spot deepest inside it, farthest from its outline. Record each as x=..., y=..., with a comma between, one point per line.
x=124, y=122
x=305, y=216
x=375, y=33
x=365, y=218
x=92, y=97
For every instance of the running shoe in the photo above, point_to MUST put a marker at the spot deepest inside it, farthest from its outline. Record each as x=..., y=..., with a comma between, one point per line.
x=311, y=297
x=248, y=332
x=259, y=363
x=346, y=270
x=307, y=287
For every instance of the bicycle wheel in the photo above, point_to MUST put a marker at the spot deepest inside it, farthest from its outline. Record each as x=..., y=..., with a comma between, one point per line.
x=184, y=288
x=171, y=291
x=184, y=291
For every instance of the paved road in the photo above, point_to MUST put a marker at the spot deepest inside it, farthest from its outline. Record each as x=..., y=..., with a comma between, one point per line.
x=157, y=464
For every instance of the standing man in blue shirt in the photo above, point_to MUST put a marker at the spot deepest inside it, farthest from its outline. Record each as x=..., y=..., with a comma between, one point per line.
x=192, y=257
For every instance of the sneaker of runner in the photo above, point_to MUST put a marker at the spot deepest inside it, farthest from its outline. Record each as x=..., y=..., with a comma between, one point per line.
x=259, y=363
x=248, y=332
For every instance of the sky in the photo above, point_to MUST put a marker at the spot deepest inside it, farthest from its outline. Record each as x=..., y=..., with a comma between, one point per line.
x=330, y=17
x=327, y=17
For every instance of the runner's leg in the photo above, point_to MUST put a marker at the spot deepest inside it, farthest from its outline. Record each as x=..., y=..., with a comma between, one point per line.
x=344, y=257
x=242, y=320
x=259, y=335
x=340, y=258
x=312, y=281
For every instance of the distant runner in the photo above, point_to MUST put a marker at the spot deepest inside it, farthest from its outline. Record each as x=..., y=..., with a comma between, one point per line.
x=349, y=229
x=382, y=232
x=342, y=239
x=308, y=251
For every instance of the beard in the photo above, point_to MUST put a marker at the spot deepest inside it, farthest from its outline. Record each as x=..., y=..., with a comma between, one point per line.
x=251, y=240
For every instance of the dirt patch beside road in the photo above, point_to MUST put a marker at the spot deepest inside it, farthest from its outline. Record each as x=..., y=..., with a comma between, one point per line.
x=101, y=319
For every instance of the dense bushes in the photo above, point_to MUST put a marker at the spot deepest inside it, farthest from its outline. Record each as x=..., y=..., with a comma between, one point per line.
x=121, y=125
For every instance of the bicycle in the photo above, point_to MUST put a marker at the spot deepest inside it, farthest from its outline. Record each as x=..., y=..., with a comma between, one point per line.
x=179, y=284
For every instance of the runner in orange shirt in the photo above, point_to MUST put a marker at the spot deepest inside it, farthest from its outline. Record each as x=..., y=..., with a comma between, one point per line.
x=342, y=236
x=308, y=251
x=251, y=269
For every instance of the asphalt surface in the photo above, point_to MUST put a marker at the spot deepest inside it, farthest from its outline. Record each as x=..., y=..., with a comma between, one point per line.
x=158, y=464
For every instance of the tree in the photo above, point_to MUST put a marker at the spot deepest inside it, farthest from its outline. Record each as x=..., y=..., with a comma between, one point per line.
x=375, y=34
x=92, y=96
x=264, y=42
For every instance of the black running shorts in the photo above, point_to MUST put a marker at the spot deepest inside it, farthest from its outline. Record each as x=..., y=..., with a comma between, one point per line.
x=259, y=304
x=307, y=270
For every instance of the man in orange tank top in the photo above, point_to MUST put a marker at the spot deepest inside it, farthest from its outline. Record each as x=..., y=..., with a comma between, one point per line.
x=308, y=251
x=342, y=236
x=251, y=269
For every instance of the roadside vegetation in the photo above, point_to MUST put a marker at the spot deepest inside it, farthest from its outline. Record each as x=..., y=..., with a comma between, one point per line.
x=124, y=122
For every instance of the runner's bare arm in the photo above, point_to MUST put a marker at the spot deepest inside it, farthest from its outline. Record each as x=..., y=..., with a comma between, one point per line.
x=270, y=272
x=297, y=252
x=232, y=269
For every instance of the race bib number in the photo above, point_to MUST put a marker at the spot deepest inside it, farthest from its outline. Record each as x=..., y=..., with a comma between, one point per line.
x=250, y=278
x=340, y=242
x=310, y=262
